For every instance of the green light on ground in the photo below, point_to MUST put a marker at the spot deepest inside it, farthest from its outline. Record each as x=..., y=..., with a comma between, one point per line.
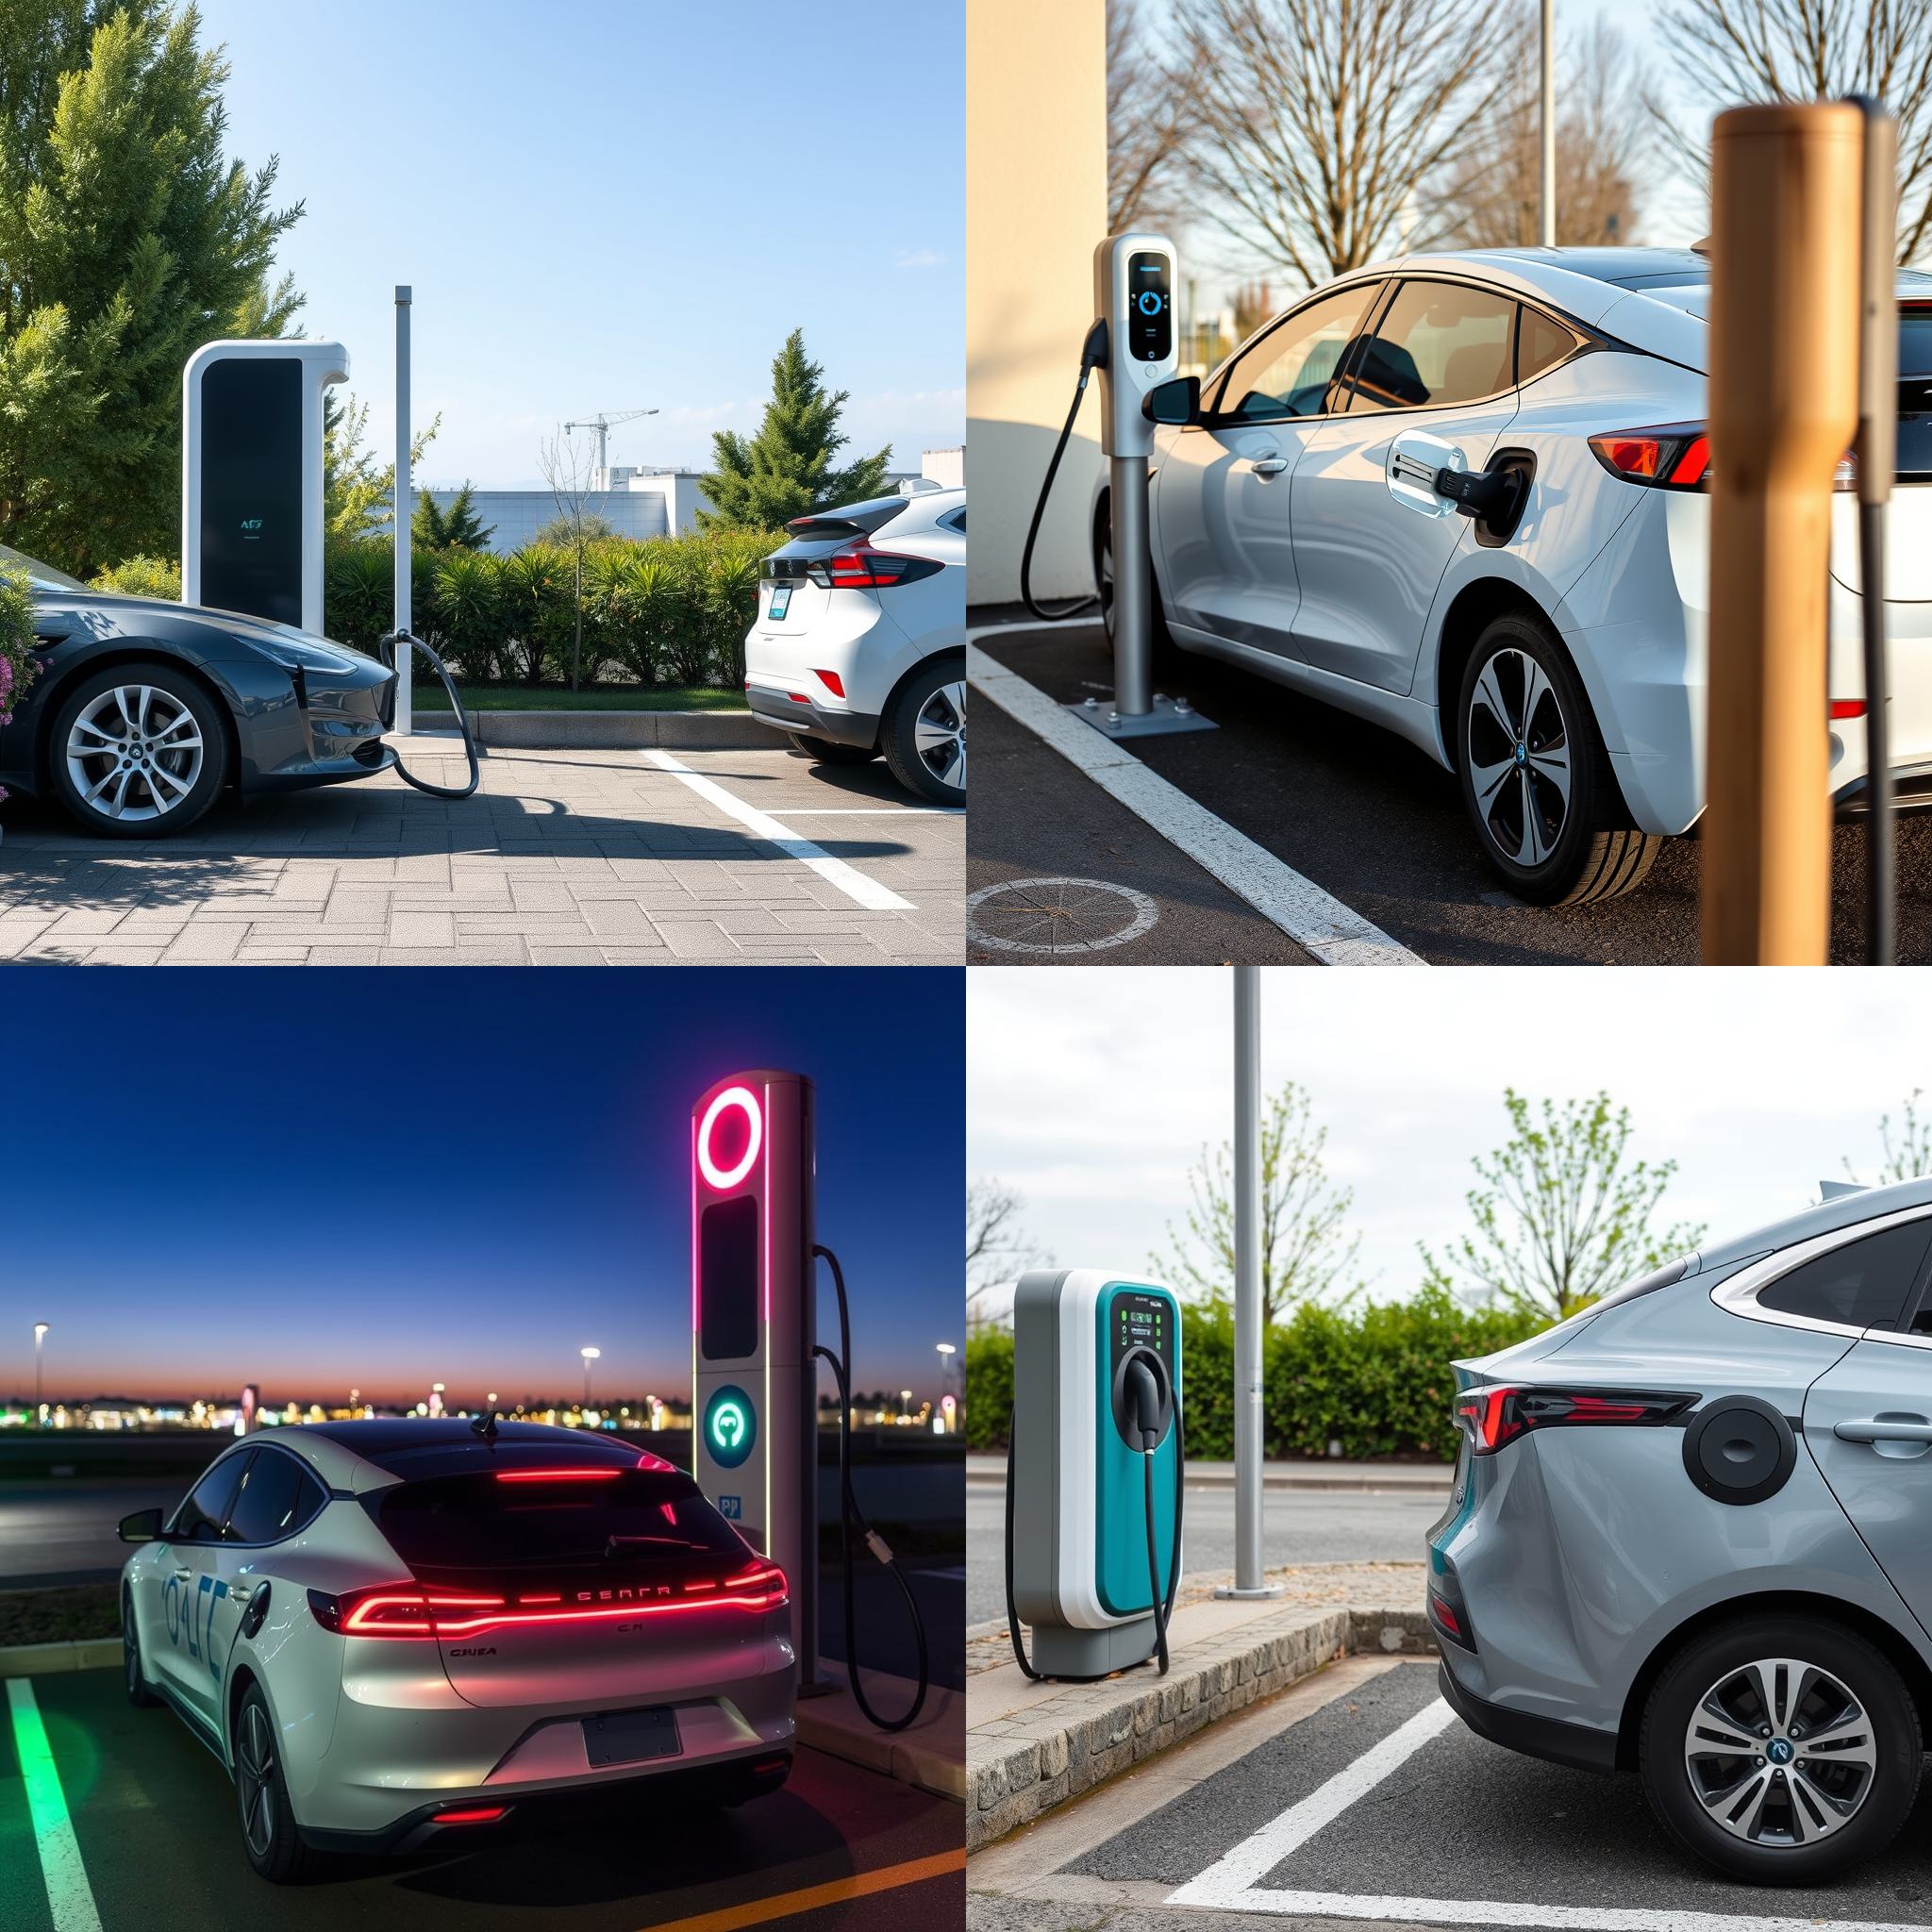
x=70, y=1898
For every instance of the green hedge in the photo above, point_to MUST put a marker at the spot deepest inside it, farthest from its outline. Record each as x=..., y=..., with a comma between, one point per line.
x=1375, y=1378
x=17, y=664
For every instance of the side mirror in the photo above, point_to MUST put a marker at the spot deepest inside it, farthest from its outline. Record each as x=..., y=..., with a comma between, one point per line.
x=1177, y=403
x=144, y=1526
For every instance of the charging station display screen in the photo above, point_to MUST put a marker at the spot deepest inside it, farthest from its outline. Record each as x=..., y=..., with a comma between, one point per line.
x=1141, y=1321
x=728, y=1279
x=251, y=487
x=1150, y=309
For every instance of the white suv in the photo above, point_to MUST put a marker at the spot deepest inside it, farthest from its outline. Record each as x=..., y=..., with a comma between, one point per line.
x=859, y=646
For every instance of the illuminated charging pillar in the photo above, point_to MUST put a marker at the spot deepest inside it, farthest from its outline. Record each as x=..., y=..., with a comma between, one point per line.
x=754, y=1327
x=251, y=476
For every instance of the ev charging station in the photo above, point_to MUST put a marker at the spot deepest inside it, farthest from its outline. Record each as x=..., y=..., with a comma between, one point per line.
x=1098, y=1455
x=252, y=476
x=754, y=1326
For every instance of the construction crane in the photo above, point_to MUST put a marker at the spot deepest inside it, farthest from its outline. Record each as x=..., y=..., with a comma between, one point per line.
x=604, y=425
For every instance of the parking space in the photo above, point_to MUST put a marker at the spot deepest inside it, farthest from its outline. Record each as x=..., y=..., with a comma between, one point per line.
x=1361, y=1797
x=1345, y=809
x=562, y=857
x=152, y=1825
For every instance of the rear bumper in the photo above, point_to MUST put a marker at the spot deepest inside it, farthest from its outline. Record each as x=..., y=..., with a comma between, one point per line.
x=773, y=704
x=1576, y=1745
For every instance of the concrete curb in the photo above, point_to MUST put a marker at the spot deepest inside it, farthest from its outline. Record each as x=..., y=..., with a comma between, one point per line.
x=725, y=730
x=1021, y=1765
x=69, y=1653
x=1345, y=1482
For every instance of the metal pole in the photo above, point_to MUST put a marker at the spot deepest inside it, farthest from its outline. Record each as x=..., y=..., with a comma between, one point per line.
x=1249, y=1580
x=1133, y=589
x=404, y=500
x=1547, y=171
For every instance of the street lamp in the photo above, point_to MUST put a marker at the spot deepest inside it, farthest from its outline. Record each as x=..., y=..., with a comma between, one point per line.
x=946, y=1353
x=590, y=1355
x=39, y=1336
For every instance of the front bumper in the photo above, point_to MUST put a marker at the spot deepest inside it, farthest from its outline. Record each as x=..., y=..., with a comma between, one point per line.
x=301, y=727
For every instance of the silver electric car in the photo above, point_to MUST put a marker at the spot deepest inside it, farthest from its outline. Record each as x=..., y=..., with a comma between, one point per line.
x=392, y=1633
x=1691, y=1535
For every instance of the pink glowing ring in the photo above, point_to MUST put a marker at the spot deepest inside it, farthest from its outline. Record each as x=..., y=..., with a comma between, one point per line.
x=718, y=1177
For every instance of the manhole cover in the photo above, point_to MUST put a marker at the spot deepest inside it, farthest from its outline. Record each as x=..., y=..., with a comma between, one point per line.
x=1056, y=915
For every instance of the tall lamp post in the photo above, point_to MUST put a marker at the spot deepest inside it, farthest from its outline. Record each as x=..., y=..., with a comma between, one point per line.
x=1547, y=161
x=946, y=1353
x=40, y=1337
x=590, y=1355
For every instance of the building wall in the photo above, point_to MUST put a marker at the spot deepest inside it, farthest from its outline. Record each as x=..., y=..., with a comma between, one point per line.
x=1036, y=205
x=519, y=514
x=945, y=467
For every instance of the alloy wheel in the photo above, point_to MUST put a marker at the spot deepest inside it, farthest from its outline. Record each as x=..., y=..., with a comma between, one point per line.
x=1517, y=748
x=938, y=734
x=1780, y=1752
x=254, y=1775
x=135, y=752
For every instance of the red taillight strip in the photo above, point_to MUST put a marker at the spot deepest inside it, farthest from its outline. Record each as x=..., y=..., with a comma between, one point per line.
x=558, y=1476
x=1495, y=1417
x=483, y=1814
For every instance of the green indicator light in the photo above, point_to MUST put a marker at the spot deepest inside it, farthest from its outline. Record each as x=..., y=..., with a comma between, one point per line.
x=731, y=1427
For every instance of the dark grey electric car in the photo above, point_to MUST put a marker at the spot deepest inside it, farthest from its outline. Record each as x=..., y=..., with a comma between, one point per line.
x=143, y=712
x=1691, y=1535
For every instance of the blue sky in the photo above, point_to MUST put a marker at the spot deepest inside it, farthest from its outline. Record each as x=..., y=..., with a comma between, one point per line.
x=607, y=205
x=379, y=1180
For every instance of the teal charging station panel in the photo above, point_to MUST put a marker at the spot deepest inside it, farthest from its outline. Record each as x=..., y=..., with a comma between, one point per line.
x=1130, y=1316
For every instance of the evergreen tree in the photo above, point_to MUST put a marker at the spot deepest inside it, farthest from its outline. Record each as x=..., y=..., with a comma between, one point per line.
x=785, y=471
x=462, y=527
x=427, y=530
x=127, y=239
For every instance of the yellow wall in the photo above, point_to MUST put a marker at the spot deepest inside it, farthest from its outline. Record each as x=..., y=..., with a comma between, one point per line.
x=1036, y=204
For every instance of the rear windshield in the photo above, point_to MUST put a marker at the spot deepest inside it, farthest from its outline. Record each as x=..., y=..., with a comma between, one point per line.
x=481, y=1522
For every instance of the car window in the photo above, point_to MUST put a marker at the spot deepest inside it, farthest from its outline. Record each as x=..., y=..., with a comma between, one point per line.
x=1438, y=344
x=1541, y=342
x=1288, y=371
x=277, y=1497
x=200, y=1517
x=954, y=520
x=1864, y=1284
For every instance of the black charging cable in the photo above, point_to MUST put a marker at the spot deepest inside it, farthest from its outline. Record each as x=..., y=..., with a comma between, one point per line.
x=1092, y=357
x=1146, y=1399
x=1027, y=1669
x=413, y=642
x=851, y=1515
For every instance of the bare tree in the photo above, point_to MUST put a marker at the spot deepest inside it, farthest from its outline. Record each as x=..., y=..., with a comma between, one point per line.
x=571, y=474
x=1911, y=1156
x=1490, y=199
x=1151, y=116
x=1322, y=122
x=1723, y=52
x=997, y=1247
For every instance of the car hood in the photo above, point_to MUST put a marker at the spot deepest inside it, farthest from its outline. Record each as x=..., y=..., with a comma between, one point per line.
x=129, y=612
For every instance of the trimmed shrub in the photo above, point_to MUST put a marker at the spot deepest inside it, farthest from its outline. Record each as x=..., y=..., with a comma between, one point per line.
x=144, y=576
x=989, y=1388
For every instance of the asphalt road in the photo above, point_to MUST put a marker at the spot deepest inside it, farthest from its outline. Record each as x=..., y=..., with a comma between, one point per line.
x=1311, y=1527
x=1351, y=807
x=154, y=1818
x=62, y=1532
x=1460, y=1827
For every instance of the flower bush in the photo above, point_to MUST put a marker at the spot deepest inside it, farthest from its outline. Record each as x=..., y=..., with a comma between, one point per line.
x=17, y=666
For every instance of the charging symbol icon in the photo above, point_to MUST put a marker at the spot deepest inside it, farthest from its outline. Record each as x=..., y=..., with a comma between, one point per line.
x=730, y=1427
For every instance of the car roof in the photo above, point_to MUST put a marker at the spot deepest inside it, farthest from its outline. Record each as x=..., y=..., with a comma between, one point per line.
x=1848, y=1211
x=369, y=1454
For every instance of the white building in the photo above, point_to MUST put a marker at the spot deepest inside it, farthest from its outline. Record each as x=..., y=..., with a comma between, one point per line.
x=640, y=503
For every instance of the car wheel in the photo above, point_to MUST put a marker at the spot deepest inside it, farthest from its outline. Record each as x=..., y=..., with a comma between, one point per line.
x=1781, y=1749
x=133, y=1672
x=924, y=735
x=828, y=753
x=1536, y=779
x=139, y=751
x=269, y=1836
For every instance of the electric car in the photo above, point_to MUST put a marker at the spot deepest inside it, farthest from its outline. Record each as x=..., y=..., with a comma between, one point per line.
x=1691, y=1535
x=142, y=711
x=396, y=1634
x=1461, y=495
x=860, y=644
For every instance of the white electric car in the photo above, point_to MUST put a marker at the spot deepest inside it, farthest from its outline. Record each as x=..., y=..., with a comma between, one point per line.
x=859, y=646
x=395, y=1633
x=1461, y=495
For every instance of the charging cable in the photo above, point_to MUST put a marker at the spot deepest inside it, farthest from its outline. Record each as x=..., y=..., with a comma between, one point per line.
x=412, y=641
x=1092, y=357
x=851, y=1517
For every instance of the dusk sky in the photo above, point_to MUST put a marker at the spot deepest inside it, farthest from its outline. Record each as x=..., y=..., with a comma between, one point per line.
x=376, y=1179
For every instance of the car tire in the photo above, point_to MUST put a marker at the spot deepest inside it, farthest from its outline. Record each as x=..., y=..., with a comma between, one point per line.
x=1539, y=789
x=162, y=788
x=270, y=1840
x=1714, y=1677
x=827, y=752
x=924, y=737
x=133, y=1672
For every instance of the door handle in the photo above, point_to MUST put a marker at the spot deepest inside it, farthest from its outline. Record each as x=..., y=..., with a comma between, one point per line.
x=183, y=1575
x=1270, y=466
x=1886, y=1428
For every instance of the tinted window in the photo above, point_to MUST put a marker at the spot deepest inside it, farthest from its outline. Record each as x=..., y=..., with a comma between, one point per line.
x=1540, y=343
x=277, y=1497
x=1438, y=343
x=1864, y=1284
x=1287, y=372
x=199, y=1519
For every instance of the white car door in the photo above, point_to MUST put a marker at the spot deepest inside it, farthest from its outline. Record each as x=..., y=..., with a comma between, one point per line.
x=1224, y=555
x=1433, y=389
x=188, y=1587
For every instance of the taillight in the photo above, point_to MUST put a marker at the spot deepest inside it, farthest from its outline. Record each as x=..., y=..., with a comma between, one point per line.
x=862, y=568
x=1845, y=707
x=832, y=682
x=557, y=1476
x=476, y=1814
x=1670, y=456
x=1495, y=1417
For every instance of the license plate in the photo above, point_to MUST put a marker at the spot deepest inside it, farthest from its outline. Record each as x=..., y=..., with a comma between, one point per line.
x=781, y=602
x=629, y=1737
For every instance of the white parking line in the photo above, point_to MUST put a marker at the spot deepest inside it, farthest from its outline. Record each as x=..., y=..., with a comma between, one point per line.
x=1233, y=1882
x=835, y=872
x=69, y=1897
x=1314, y=918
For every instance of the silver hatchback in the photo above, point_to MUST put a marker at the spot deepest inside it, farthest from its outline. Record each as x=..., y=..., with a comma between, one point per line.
x=1691, y=1535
